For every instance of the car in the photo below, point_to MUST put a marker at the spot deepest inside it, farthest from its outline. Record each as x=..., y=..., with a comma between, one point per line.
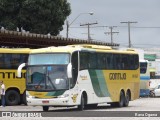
x=155, y=92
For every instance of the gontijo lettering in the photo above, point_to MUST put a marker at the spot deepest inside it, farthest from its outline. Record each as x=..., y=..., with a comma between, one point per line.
x=11, y=75
x=117, y=76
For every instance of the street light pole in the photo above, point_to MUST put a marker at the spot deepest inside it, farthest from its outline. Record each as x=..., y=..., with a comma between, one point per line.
x=68, y=25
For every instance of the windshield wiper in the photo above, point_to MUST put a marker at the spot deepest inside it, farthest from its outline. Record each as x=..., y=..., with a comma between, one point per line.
x=51, y=82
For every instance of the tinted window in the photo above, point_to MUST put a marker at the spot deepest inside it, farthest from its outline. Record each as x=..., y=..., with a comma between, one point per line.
x=111, y=61
x=143, y=67
x=12, y=61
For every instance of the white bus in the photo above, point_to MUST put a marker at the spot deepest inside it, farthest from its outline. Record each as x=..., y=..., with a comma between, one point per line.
x=81, y=75
x=144, y=78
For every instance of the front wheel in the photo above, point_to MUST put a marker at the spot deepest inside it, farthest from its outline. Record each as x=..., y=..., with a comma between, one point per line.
x=91, y=106
x=45, y=108
x=81, y=106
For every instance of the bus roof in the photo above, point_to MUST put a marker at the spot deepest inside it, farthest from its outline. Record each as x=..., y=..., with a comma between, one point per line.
x=15, y=50
x=80, y=47
x=143, y=60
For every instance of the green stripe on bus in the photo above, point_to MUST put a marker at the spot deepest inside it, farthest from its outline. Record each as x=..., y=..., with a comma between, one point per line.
x=102, y=83
x=99, y=84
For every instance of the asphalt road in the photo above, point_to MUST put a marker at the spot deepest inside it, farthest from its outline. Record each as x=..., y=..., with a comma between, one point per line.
x=143, y=108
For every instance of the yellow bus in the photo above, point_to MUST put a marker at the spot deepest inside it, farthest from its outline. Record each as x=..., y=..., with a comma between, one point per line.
x=15, y=87
x=81, y=75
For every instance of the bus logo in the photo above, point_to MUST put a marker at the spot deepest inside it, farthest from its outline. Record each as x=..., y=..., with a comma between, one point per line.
x=83, y=77
x=74, y=98
x=117, y=76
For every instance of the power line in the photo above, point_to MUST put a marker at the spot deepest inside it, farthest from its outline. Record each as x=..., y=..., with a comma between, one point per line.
x=119, y=26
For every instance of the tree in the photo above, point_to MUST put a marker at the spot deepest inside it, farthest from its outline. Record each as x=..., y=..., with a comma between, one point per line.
x=36, y=16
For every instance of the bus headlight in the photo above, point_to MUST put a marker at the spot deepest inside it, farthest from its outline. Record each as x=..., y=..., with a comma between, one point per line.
x=28, y=96
x=31, y=96
x=63, y=96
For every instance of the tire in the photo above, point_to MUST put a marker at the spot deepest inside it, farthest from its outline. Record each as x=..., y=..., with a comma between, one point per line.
x=152, y=94
x=81, y=106
x=12, y=97
x=24, y=101
x=121, y=100
x=90, y=106
x=127, y=98
x=45, y=108
x=114, y=104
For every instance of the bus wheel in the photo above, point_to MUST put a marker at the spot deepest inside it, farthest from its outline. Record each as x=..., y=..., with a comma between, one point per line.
x=127, y=98
x=81, y=106
x=91, y=106
x=24, y=101
x=113, y=104
x=121, y=100
x=45, y=108
x=12, y=97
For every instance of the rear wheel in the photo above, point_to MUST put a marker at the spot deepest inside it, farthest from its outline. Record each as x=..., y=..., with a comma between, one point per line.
x=127, y=98
x=114, y=104
x=121, y=100
x=45, y=108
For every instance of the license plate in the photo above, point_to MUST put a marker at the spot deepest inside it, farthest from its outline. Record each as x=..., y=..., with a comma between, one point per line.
x=45, y=102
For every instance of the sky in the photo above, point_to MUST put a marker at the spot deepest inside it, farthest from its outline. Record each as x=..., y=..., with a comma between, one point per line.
x=107, y=13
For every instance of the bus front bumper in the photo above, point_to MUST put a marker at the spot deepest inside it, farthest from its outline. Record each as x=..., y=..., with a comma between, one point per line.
x=48, y=102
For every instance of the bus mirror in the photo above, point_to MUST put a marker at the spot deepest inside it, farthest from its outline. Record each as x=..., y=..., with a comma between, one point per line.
x=69, y=70
x=20, y=69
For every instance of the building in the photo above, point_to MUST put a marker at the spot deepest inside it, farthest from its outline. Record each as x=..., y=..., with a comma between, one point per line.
x=153, y=56
x=31, y=40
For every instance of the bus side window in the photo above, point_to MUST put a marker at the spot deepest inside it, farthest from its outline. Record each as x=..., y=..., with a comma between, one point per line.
x=136, y=61
x=92, y=64
x=101, y=59
x=109, y=61
x=124, y=62
x=7, y=61
x=84, y=60
x=117, y=62
x=1, y=61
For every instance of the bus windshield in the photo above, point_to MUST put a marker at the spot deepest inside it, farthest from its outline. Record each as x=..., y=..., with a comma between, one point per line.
x=45, y=59
x=143, y=67
x=42, y=78
x=47, y=71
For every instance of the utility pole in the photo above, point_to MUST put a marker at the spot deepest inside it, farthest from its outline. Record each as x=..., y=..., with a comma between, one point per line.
x=111, y=32
x=129, y=38
x=88, y=24
x=67, y=23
